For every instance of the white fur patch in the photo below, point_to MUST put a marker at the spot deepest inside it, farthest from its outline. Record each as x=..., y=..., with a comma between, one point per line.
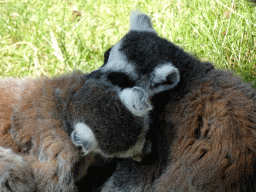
x=84, y=134
x=136, y=100
x=161, y=73
x=117, y=62
x=140, y=22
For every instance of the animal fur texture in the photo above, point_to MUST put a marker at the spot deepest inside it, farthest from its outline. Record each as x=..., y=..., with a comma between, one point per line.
x=51, y=129
x=203, y=132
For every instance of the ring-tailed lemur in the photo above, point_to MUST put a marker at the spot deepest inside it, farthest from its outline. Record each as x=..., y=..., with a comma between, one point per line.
x=204, y=120
x=45, y=122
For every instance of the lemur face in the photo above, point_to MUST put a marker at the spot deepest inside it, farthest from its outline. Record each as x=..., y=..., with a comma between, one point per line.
x=140, y=58
x=109, y=121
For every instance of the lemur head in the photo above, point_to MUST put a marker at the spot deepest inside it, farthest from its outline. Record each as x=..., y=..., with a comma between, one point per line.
x=141, y=58
x=107, y=120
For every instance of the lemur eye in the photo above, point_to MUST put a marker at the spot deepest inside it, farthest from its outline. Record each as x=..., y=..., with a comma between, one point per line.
x=120, y=79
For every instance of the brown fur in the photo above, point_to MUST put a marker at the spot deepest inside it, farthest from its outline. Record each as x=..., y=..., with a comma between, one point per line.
x=214, y=145
x=28, y=127
x=204, y=140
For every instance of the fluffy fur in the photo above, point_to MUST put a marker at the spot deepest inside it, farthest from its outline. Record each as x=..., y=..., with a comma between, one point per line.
x=39, y=117
x=204, y=129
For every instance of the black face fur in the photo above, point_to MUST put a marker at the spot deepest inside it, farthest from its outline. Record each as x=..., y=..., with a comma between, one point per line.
x=106, y=120
x=112, y=124
x=141, y=59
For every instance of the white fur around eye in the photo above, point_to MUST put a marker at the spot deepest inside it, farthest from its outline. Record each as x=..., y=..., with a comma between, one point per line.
x=117, y=62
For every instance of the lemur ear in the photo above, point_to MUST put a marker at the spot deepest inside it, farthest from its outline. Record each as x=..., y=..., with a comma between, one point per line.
x=140, y=22
x=84, y=137
x=164, y=77
x=136, y=100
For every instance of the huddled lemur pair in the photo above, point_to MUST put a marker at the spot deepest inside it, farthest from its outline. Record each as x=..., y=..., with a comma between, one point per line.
x=202, y=126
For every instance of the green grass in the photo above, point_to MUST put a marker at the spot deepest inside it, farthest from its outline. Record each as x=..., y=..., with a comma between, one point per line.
x=48, y=38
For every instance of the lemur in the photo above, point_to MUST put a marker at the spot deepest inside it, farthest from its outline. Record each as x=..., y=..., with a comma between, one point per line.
x=51, y=129
x=203, y=129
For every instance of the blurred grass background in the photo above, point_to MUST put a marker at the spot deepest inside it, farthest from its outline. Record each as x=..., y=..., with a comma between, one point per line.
x=51, y=37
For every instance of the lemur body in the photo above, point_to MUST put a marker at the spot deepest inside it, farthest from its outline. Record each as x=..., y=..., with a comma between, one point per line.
x=204, y=119
x=49, y=128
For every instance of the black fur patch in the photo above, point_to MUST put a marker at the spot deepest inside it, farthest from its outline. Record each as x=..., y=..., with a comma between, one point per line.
x=120, y=79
